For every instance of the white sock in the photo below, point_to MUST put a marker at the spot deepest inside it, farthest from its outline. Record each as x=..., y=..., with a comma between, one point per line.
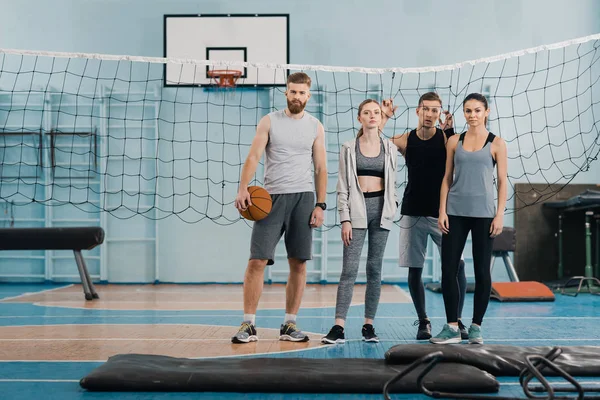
x=250, y=317
x=289, y=317
x=453, y=327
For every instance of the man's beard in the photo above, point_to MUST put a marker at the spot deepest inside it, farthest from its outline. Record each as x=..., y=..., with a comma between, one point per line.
x=295, y=108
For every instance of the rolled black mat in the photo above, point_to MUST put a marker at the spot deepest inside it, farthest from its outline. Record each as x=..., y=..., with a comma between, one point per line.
x=138, y=372
x=503, y=360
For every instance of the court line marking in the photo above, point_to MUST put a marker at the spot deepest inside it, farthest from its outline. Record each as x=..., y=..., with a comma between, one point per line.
x=120, y=339
x=136, y=325
x=487, y=340
x=228, y=340
x=18, y=380
x=34, y=293
x=551, y=382
x=41, y=380
x=189, y=358
x=321, y=347
x=116, y=301
x=279, y=303
x=302, y=317
x=235, y=289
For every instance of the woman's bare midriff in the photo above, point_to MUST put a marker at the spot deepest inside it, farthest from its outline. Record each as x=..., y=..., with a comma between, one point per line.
x=370, y=183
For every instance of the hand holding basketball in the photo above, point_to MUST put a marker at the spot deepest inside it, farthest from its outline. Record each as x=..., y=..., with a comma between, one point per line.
x=242, y=200
x=253, y=203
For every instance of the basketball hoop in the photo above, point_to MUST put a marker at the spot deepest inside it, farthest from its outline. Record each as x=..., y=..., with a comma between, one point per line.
x=224, y=78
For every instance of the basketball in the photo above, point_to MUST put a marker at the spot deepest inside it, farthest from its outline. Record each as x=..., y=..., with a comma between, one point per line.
x=261, y=204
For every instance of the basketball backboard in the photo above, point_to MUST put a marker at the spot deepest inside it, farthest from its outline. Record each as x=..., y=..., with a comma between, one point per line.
x=252, y=38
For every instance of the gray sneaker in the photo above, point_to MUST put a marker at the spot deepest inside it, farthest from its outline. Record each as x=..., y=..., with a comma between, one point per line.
x=447, y=336
x=475, y=335
x=289, y=332
x=246, y=333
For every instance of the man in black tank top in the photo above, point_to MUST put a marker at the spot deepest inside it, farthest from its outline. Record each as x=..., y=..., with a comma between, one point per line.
x=424, y=150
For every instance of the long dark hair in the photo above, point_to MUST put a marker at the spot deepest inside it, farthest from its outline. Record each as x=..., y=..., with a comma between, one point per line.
x=478, y=97
x=360, y=107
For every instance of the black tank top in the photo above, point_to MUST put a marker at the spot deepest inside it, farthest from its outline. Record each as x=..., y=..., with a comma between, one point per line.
x=426, y=163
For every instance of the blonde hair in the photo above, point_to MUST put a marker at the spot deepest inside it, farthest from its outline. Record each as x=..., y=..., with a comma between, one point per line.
x=360, y=107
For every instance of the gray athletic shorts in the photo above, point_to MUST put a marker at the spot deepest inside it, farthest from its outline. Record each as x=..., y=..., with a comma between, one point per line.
x=290, y=214
x=413, y=239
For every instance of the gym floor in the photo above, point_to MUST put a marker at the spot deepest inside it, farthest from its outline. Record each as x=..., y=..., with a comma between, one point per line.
x=50, y=337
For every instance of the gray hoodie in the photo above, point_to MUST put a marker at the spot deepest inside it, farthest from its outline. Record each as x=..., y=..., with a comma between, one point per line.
x=350, y=198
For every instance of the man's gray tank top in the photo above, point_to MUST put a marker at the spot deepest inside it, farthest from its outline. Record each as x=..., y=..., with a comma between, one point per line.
x=288, y=155
x=472, y=190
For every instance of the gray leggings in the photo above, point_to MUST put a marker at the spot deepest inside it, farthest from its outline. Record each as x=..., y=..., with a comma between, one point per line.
x=377, y=241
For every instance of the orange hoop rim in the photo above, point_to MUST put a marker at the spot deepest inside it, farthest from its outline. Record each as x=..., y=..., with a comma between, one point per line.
x=224, y=77
x=223, y=72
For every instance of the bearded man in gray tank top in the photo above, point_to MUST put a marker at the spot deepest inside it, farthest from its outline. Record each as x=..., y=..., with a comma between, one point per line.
x=424, y=150
x=292, y=141
x=467, y=205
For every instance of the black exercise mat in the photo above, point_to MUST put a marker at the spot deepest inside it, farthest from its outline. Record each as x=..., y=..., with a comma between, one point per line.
x=503, y=360
x=138, y=372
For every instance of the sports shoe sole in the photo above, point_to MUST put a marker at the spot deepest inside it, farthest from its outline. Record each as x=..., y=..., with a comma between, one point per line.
x=475, y=341
x=446, y=341
x=336, y=341
x=372, y=340
x=251, y=338
x=288, y=338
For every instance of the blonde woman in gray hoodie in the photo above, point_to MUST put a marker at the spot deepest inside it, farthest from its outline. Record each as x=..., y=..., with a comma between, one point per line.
x=367, y=204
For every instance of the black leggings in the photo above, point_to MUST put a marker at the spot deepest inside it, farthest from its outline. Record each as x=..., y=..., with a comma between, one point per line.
x=453, y=245
x=417, y=290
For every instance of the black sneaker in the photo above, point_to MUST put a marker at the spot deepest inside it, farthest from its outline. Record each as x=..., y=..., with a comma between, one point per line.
x=335, y=335
x=246, y=333
x=424, y=331
x=369, y=334
x=464, y=334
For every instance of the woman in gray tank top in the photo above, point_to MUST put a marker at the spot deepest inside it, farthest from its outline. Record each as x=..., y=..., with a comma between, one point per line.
x=467, y=205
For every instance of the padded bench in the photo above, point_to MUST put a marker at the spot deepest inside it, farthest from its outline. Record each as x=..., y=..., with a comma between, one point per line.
x=70, y=238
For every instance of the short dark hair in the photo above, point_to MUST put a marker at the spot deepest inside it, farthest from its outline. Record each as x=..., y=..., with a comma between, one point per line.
x=429, y=96
x=299, y=77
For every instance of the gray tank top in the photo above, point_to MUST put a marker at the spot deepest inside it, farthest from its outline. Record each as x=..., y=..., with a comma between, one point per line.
x=472, y=191
x=288, y=155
